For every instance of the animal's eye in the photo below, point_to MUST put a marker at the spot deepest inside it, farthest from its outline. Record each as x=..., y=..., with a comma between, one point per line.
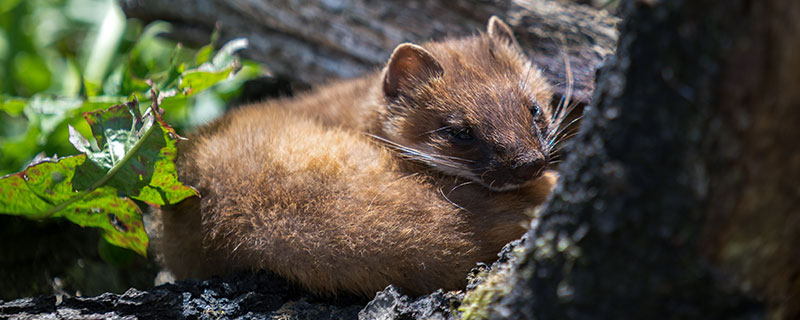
x=535, y=109
x=461, y=135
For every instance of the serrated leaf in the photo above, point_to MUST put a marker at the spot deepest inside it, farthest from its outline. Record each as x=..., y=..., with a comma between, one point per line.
x=131, y=157
x=44, y=190
x=140, y=148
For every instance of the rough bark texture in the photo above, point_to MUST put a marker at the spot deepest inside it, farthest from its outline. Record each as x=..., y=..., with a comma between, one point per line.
x=686, y=157
x=314, y=42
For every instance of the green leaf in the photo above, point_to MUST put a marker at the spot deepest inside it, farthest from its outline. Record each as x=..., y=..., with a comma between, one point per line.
x=200, y=80
x=203, y=54
x=18, y=150
x=13, y=106
x=226, y=55
x=131, y=157
x=47, y=113
x=8, y=5
x=220, y=68
x=44, y=190
x=31, y=72
x=103, y=47
x=140, y=148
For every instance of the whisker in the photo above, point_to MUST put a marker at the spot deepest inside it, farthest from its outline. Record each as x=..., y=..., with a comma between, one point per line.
x=455, y=158
x=413, y=154
x=570, y=80
x=565, y=106
x=564, y=112
x=552, y=137
x=484, y=173
x=409, y=149
x=406, y=150
x=557, y=150
x=459, y=186
x=432, y=131
x=527, y=76
x=564, y=137
x=558, y=114
x=555, y=156
x=560, y=143
x=560, y=125
x=451, y=202
x=567, y=112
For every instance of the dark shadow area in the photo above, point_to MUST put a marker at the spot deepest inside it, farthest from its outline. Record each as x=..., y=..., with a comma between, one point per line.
x=60, y=257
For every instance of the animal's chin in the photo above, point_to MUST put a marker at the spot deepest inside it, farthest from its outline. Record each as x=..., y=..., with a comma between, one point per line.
x=493, y=186
x=496, y=186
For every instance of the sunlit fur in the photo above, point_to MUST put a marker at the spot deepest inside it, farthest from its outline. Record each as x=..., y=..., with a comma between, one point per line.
x=341, y=190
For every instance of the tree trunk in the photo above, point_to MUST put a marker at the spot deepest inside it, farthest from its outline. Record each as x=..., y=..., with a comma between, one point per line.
x=679, y=196
x=314, y=42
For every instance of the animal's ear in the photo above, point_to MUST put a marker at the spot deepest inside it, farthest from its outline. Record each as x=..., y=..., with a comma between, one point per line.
x=500, y=31
x=409, y=66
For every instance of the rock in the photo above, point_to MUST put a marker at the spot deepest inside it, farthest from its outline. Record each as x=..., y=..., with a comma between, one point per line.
x=237, y=296
x=391, y=304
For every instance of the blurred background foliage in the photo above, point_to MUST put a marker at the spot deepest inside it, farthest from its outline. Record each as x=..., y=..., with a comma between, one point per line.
x=58, y=59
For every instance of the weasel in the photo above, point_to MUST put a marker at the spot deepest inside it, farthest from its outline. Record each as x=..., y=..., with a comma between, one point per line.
x=409, y=176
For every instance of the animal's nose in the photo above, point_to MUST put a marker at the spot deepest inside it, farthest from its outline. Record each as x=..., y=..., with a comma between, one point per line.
x=529, y=170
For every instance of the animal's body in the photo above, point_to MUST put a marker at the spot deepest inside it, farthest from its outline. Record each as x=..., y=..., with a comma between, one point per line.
x=408, y=176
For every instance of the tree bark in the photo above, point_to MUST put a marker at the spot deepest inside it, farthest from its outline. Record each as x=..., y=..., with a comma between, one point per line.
x=679, y=196
x=313, y=42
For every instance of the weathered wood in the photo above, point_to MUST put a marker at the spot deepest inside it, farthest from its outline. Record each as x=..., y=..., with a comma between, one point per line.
x=318, y=41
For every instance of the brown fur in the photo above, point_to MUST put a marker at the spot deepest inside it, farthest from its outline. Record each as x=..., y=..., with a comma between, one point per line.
x=323, y=189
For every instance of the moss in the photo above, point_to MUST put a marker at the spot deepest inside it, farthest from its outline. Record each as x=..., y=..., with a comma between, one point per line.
x=490, y=286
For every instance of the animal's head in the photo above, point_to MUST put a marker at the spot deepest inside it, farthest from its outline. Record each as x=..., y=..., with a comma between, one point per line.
x=473, y=107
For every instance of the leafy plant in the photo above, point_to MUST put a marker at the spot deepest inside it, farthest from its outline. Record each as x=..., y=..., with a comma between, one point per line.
x=53, y=82
x=86, y=55
x=131, y=157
